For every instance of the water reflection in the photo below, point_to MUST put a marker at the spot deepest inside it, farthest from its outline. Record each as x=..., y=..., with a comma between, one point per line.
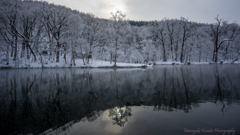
x=120, y=115
x=35, y=100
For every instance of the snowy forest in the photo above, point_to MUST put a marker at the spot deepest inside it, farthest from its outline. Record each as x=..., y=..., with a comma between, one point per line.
x=40, y=32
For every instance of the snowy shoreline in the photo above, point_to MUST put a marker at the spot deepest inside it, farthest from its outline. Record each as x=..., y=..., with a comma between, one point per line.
x=9, y=67
x=99, y=64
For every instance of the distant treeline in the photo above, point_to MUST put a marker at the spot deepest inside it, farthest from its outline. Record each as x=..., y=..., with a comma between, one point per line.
x=138, y=23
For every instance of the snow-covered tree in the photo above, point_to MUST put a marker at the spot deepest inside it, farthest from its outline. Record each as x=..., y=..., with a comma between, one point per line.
x=57, y=23
x=9, y=26
x=186, y=32
x=38, y=32
x=218, y=33
x=93, y=33
x=159, y=37
x=117, y=31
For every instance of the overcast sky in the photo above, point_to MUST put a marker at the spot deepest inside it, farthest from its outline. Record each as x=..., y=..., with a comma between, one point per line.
x=195, y=10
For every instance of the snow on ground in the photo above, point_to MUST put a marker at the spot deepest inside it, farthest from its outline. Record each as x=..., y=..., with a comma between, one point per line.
x=98, y=63
x=92, y=64
x=79, y=63
x=167, y=63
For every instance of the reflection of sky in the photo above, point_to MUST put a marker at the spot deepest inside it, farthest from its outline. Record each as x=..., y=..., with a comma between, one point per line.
x=102, y=125
x=196, y=10
x=146, y=121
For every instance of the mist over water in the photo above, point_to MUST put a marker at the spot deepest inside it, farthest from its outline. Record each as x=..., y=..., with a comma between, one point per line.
x=165, y=99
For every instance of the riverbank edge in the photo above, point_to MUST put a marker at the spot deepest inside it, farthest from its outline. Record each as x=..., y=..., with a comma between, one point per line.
x=89, y=66
x=11, y=67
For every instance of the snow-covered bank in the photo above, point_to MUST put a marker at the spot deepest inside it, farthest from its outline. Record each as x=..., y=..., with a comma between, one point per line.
x=97, y=64
x=92, y=64
x=79, y=64
x=167, y=63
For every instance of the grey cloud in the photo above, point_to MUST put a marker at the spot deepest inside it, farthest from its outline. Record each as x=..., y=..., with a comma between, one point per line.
x=195, y=10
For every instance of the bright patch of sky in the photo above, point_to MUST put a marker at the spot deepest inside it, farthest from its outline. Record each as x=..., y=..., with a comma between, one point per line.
x=195, y=10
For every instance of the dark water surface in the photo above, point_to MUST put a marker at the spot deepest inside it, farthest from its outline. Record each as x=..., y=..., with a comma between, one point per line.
x=174, y=100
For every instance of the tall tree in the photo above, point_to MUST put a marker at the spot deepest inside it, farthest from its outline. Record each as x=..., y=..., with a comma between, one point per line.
x=57, y=23
x=218, y=33
x=117, y=31
x=232, y=33
x=187, y=29
x=74, y=36
x=93, y=33
x=170, y=28
x=30, y=29
x=9, y=21
x=159, y=36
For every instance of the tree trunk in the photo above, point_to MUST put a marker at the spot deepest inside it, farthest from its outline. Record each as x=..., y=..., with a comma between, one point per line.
x=89, y=57
x=12, y=50
x=181, y=57
x=15, y=49
x=23, y=48
x=115, y=60
x=115, y=55
x=28, y=53
x=172, y=49
x=215, y=56
x=29, y=48
x=65, y=57
x=176, y=48
x=215, y=52
x=183, y=43
x=200, y=55
x=7, y=57
x=164, y=53
x=83, y=61
x=57, y=54
x=111, y=58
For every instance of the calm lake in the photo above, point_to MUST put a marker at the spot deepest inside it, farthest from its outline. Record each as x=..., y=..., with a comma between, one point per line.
x=165, y=99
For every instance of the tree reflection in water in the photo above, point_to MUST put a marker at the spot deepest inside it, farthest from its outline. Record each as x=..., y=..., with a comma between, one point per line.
x=32, y=101
x=120, y=115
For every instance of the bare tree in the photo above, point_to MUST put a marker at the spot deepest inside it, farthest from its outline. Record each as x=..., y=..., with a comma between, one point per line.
x=8, y=30
x=57, y=24
x=117, y=30
x=232, y=33
x=218, y=34
x=93, y=32
x=170, y=28
x=187, y=28
x=30, y=29
x=160, y=34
